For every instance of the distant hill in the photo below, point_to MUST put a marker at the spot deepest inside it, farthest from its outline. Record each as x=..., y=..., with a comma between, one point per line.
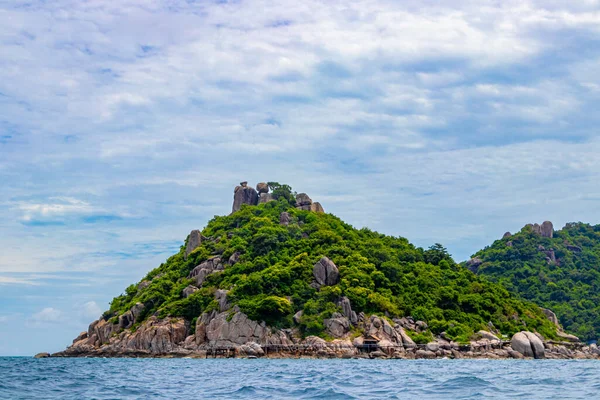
x=559, y=270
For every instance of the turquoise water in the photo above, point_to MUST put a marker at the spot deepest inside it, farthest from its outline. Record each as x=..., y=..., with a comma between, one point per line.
x=27, y=378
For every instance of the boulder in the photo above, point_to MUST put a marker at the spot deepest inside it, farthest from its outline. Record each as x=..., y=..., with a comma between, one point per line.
x=378, y=327
x=325, y=272
x=157, y=336
x=303, y=202
x=42, y=355
x=488, y=335
x=223, y=328
x=143, y=285
x=337, y=326
x=244, y=195
x=201, y=271
x=221, y=297
x=425, y=354
x=575, y=249
x=298, y=316
x=344, y=303
x=421, y=326
x=551, y=316
x=126, y=320
x=235, y=257
x=284, y=219
x=104, y=331
x=194, y=241
x=265, y=198
x=252, y=349
x=137, y=310
x=528, y=344
x=317, y=207
x=547, y=229
x=474, y=263
x=82, y=336
x=432, y=346
x=314, y=343
x=188, y=291
x=514, y=354
x=550, y=256
x=262, y=187
x=567, y=337
x=377, y=354
x=537, y=228
x=506, y=235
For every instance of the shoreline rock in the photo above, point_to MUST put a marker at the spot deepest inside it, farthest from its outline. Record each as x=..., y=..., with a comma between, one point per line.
x=230, y=333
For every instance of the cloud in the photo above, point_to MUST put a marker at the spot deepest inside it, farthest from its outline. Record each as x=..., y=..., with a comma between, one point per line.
x=7, y=280
x=47, y=315
x=90, y=311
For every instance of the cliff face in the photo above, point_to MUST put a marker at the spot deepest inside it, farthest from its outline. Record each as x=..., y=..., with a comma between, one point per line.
x=281, y=276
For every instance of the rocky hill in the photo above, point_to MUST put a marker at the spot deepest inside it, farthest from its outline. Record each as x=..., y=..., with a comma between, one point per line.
x=280, y=276
x=559, y=270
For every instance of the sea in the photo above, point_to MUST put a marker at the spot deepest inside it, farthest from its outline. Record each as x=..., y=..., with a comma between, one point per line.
x=97, y=378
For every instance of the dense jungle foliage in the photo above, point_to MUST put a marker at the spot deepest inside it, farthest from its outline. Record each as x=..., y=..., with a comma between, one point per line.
x=568, y=285
x=380, y=274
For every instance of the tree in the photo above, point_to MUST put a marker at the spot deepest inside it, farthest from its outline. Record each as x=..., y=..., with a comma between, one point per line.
x=437, y=253
x=282, y=191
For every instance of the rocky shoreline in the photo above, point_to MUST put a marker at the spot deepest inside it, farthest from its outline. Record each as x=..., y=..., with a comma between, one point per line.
x=231, y=333
x=556, y=352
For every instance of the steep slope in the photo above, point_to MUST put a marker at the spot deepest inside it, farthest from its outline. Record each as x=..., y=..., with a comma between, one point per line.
x=559, y=270
x=279, y=270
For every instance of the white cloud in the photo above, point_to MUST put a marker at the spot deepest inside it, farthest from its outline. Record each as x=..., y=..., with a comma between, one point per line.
x=90, y=311
x=7, y=280
x=59, y=206
x=47, y=315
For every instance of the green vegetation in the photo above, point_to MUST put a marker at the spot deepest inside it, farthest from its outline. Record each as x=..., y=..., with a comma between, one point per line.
x=380, y=274
x=569, y=286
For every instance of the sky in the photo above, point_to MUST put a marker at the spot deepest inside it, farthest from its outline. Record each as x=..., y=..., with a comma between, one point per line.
x=126, y=124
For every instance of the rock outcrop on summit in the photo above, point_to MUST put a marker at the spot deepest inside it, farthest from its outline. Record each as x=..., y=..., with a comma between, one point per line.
x=546, y=229
x=244, y=195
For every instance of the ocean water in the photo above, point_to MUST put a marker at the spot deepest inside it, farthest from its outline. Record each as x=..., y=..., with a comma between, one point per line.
x=55, y=378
